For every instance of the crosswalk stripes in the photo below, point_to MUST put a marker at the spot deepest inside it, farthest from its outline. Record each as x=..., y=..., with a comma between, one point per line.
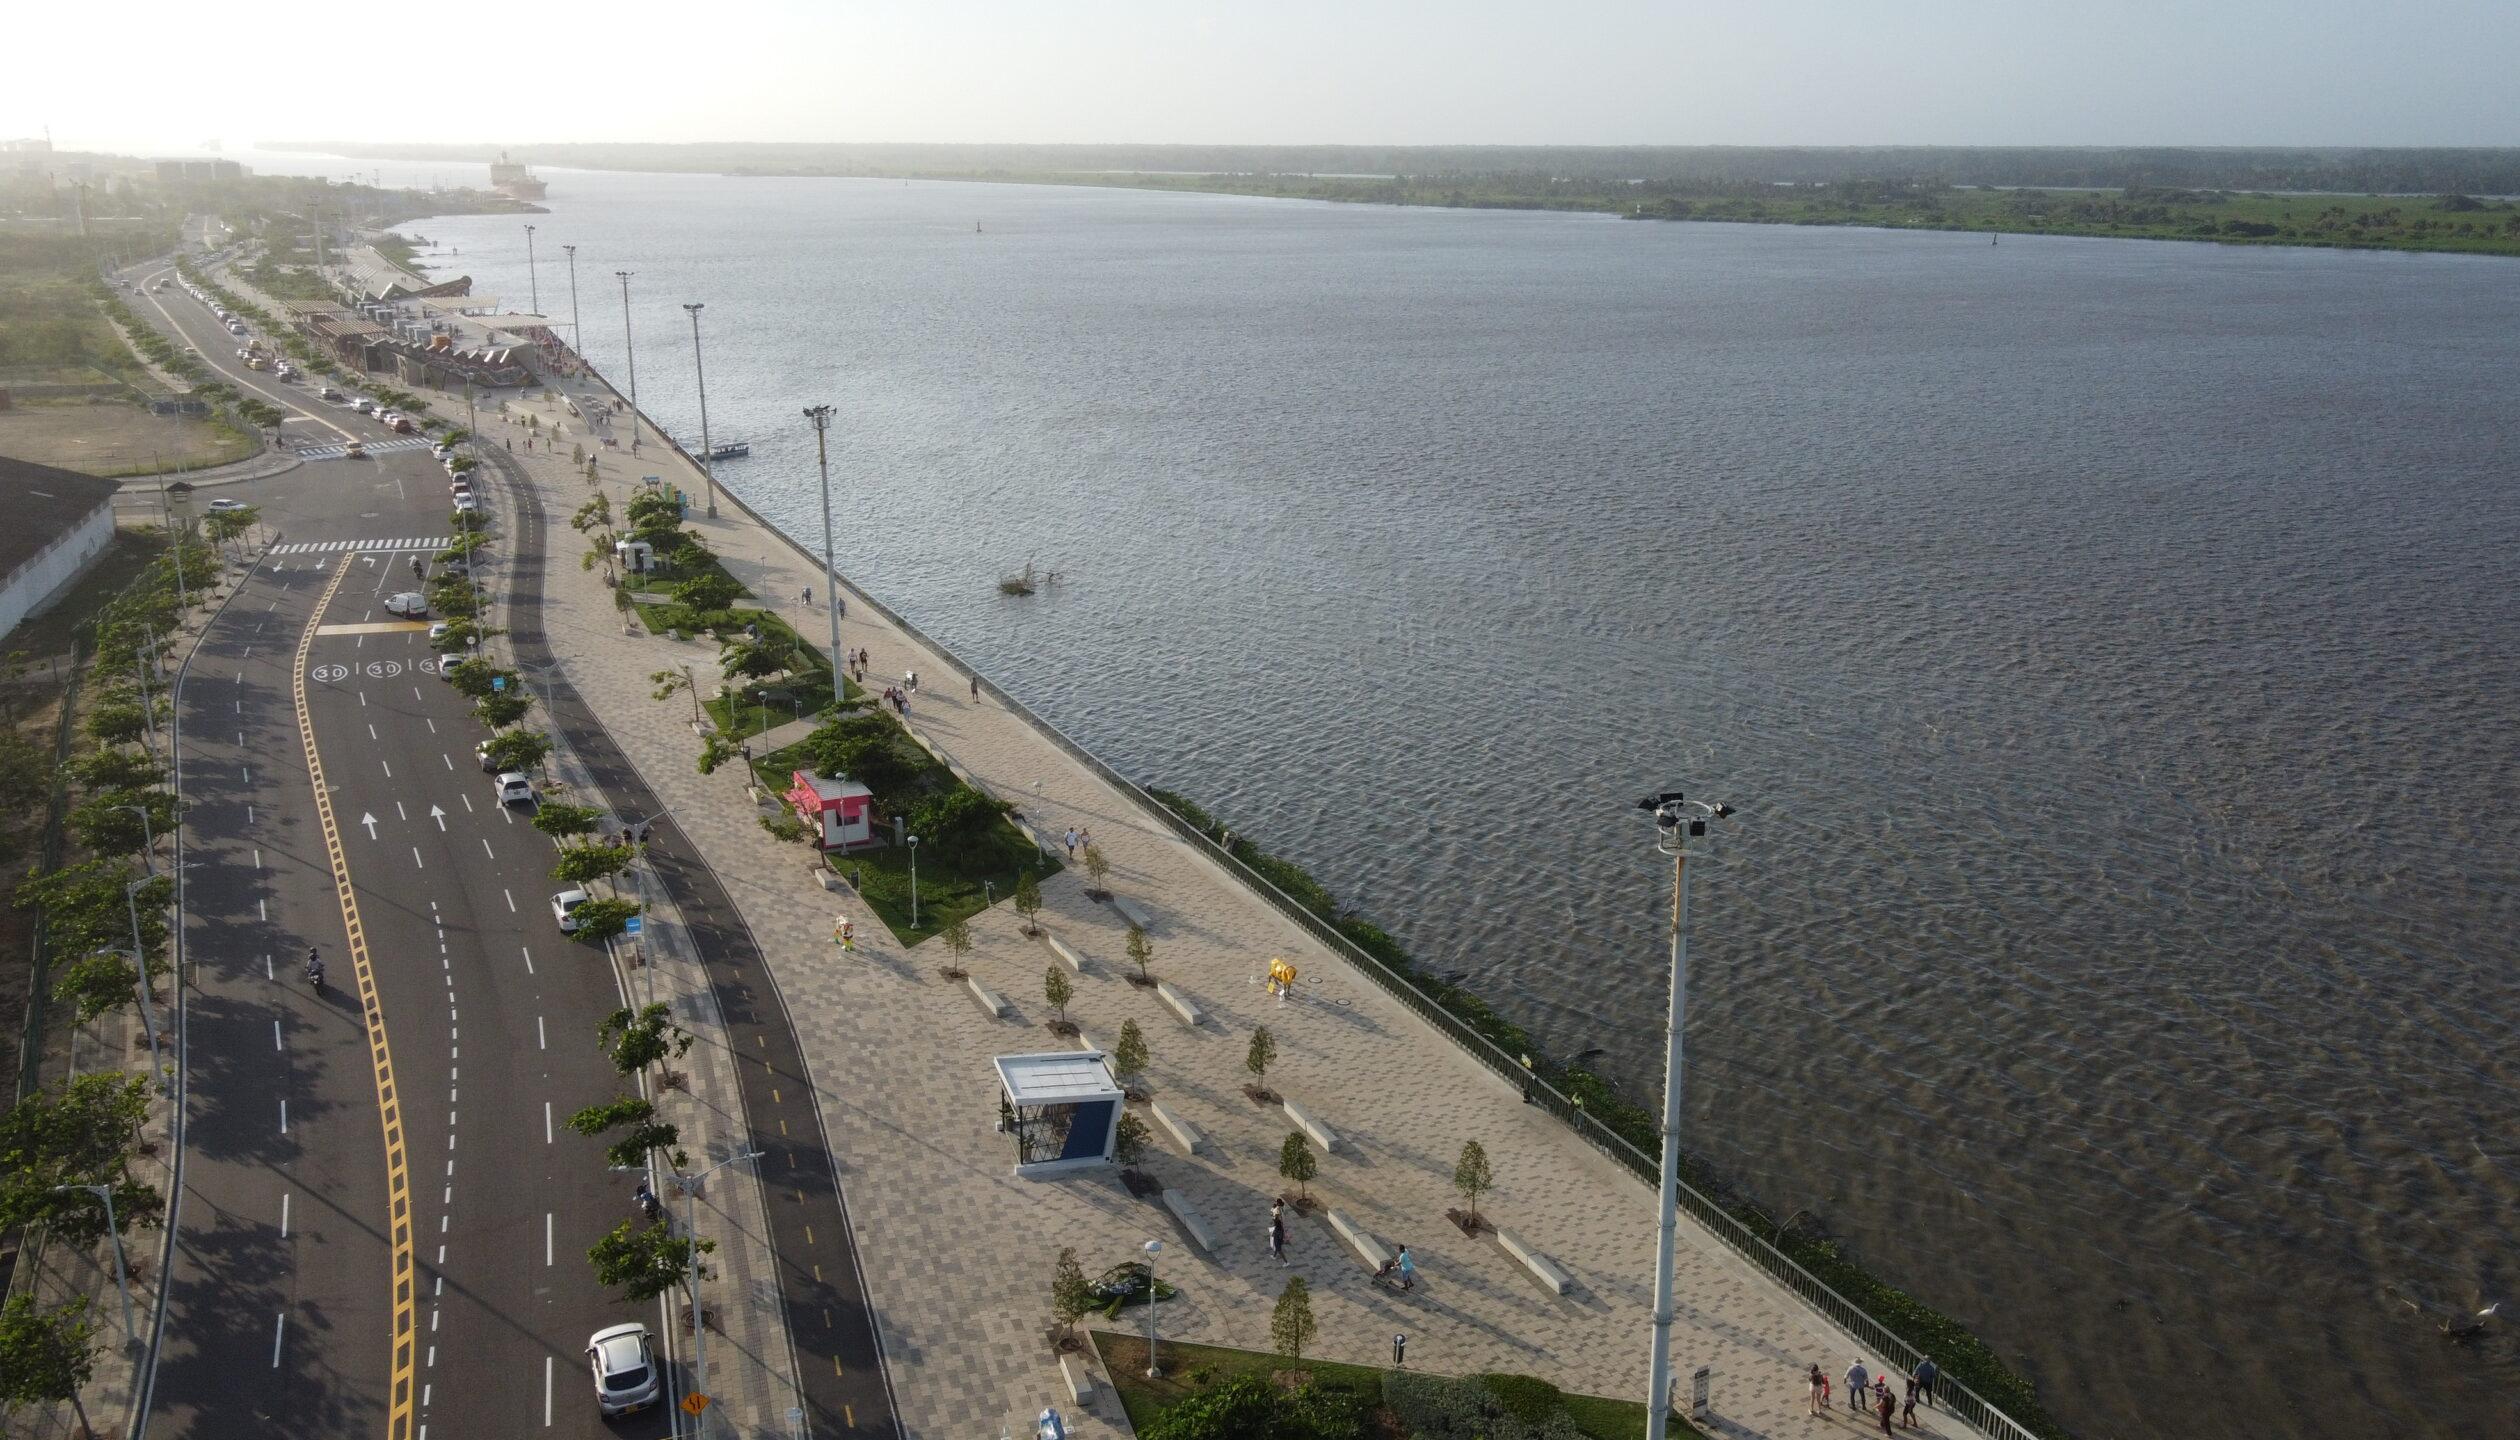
x=314, y=547
x=374, y=447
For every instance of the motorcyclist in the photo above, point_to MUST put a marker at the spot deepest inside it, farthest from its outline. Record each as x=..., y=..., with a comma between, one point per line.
x=314, y=968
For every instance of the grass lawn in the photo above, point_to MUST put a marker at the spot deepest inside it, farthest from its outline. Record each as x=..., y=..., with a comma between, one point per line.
x=1191, y=1369
x=776, y=704
x=946, y=893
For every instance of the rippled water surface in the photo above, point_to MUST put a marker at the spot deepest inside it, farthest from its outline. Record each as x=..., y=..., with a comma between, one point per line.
x=2110, y=646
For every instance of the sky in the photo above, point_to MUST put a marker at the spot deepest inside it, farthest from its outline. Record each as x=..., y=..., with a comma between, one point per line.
x=142, y=75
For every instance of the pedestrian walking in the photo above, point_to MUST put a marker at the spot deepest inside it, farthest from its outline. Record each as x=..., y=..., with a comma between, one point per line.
x=1070, y=838
x=1858, y=1383
x=1277, y=1234
x=1907, y=1413
x=1885, y=1406
x=809, y=597
x=1819, y=1389
x=1408, y=1269
x=1881, y=1387
x=1399, y=1350
x=913, y=677
x=1921, y=1380
x=975, y=687
x=1085, y=839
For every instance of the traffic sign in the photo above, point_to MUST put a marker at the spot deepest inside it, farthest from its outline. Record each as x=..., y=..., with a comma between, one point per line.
x=498, y=682
x=695, y=1402
x=630, y=926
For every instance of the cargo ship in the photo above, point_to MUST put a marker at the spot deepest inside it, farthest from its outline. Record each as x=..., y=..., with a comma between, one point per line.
x=514, y=181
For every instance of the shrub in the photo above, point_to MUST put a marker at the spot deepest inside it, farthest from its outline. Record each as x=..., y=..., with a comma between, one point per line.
x=1430, y=1407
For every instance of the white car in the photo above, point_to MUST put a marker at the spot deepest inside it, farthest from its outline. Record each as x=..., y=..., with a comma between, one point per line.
x=466, y=505
x=364, y=406
x=626, y=1377
x=222, y=507
x=516, y=788
x=410, y=604
x=564, y=908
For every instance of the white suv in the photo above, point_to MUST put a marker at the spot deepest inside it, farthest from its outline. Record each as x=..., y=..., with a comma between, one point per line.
x=624, y=1362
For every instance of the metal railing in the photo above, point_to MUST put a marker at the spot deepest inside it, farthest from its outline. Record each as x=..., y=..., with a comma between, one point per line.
x=1955, y=1398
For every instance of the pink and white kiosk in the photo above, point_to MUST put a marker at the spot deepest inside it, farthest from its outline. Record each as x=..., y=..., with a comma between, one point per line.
x=842, y=809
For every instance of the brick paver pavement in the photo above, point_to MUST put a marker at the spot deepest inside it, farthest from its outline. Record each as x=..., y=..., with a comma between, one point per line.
x=958, y=1253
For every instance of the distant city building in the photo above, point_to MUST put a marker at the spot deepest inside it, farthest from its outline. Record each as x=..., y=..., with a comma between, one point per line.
x=37, y=145
x=60, y=521
x=194, y=171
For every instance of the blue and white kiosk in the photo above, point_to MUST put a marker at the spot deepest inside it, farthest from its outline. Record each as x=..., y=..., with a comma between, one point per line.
x=1061, y=1109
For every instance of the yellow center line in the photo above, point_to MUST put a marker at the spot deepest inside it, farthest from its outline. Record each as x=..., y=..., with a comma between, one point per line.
x=388, y=1105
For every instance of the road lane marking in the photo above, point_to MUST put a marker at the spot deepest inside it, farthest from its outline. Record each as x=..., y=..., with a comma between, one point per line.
x=486, y=850
x=546, y=1122
x=284, y=1117
x=279, y=1327
x=468, y=805
x=546, y=1239
x=389, y=768
x=511, y=899
x=275, y=1035
x=284, y=1214
x=541, y=1042
x=371, y=736
x=529, y=959
x=449, y=759
x=380, y=1054
x=257, y=853
x=416, y=860
x=546, y=1392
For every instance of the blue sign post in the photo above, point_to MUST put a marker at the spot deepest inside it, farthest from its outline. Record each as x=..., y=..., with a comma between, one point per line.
x=630, y=926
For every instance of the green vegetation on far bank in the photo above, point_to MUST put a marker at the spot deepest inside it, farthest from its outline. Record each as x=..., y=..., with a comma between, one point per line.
x=1960, y=1353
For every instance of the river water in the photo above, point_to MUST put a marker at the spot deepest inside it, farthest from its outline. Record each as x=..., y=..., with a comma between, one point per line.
x=2109, y=646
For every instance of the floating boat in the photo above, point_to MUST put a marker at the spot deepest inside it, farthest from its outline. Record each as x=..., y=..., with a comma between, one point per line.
x=730, y=449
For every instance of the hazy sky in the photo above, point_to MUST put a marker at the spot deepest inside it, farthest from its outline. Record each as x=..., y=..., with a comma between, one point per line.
x=158, y=75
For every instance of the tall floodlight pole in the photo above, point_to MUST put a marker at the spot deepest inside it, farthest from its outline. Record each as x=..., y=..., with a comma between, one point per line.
x=577, y=328
x=708, y=460
x=690, y=1185
x=633, y=353
x=821, y=416
x=1677, y=822
x=122, y=1272
x=533, y=277
x=1154, y=1249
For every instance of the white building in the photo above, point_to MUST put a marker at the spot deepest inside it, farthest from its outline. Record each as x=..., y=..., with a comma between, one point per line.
x=60, y=522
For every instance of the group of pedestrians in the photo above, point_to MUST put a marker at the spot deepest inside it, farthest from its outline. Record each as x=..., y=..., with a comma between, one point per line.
x=1867, y=1391
x=1076, y=840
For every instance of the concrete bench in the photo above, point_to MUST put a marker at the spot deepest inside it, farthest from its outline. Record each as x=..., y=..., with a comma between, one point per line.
x=1079, y=1378
x=1322, y=1135
x=1542, y=1268
x=1086, y=1042
x=1178, y=1003
x=1132, y=912
x=1188, y=1136
x=1191, y=1224
x=1359, y=1239
x=1059, y=948
x=987, y=999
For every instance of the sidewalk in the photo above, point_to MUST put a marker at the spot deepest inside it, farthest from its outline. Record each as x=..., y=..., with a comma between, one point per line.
x=958, y=1253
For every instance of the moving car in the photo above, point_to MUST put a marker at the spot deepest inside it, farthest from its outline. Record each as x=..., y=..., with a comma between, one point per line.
x=564, y=909
x=222, y=507
x=624, y=1362
x=516, y=788
x=354, y=451
x=329, y=393
x=410, y=604
x=363, y=405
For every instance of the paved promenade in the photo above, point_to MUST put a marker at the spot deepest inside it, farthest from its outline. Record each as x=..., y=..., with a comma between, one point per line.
x=958, y=1253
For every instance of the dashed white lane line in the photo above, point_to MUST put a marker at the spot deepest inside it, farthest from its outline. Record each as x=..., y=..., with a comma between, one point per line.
x=389, y=768
x=284, y=1117
x=529, y=959
x=249, y=814
x=541, y=1042
x=432, y=724
x=264, y=907
x=279, y=1328
x=468, y=805
x=416, y=860
x=284, y=1214
x=399, y=812
x=486, y=850
x=546, y=1392
x=546, y=1239
x=450, y=761
x=257, y=851
x=275, y=1036
x=511, y=899
x=546, y=1122
x=372, y=735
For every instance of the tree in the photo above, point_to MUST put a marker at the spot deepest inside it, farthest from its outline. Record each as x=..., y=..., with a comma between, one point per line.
x=1291, y=1325
x=77, y=1133
x=669, y=683
x=1262, y=1055
x=958, y=821
x=642, y=1131
x=636, y=1039
x=97, y=983
x=594, y=514
x=1472, y=1177
x=1296, y=1162
x=957, y=938
x=875, y=761
x=21, y=771
x=586, y=864
x=1139, y=950
x=709, y=590
x=472, y=678
x=559, y=819
x=46, y=1356
x=1128, y=1058
x=1128, y=1142
x=600, y=920
x=1027, y=900
x=1056, y=989
x=757, y=659
x=1097, y=867
x=1070, y=1294
x=117, y=724
x=646, y=1261
x=501, y=710
x=105, y=823
x=519, y=750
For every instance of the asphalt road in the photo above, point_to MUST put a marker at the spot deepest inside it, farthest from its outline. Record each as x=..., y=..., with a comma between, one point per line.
x=282, y=1310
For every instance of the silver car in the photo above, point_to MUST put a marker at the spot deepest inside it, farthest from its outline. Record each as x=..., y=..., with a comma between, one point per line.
x=626, y=1376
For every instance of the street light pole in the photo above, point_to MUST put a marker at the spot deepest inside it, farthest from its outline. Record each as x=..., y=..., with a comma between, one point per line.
x=1154, y=1248
x=691, y=1232
x=914, y=882
x=140, y=962
x=820, y=415
x=577, y=328
x=533, y=276
x=632, y=352
x=1677, y=821
x=708, y=460
x=122, y=1272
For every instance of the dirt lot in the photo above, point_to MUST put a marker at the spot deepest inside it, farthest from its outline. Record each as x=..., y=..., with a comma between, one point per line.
x=115, y=439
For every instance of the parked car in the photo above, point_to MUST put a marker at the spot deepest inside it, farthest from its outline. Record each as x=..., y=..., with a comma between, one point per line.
x=401, y=424
x=624, y=1362
x=222, y=507
x=564, y=907
x=481, y=752
x=410, y=604
x=465, y=504
x=516, y=788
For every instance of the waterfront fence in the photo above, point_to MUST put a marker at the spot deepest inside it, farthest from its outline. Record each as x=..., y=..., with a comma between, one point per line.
x=1955, y=1398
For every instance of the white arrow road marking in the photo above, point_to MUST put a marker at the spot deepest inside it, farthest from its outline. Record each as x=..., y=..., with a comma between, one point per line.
x=370, y=822
x=438, y=815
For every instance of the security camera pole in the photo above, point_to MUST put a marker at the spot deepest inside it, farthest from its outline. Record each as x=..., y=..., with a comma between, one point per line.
x=1678, y=821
